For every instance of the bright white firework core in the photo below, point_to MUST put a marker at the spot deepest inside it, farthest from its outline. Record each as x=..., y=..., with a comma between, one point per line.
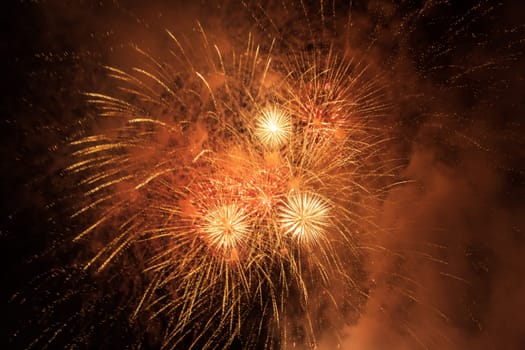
x=273, y=127
x=226, y=226
x=304, y=216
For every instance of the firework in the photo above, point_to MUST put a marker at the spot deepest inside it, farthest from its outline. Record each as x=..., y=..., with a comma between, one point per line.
x=237, y=201
x=226, y=227
x=232, y=187
x=273, y=127
x=304, y=216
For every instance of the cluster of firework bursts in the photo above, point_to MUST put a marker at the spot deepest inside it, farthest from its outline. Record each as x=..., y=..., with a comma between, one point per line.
x=243, y=183
x=279, y=174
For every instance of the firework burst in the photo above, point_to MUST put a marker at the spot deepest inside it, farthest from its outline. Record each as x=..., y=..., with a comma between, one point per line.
x=305, y=217
x=225, y=227
x=273, y=127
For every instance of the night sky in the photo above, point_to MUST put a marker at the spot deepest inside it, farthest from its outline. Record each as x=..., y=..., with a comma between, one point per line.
x=453, y=80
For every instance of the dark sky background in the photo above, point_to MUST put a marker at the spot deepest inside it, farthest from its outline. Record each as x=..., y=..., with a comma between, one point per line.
x=455, y=78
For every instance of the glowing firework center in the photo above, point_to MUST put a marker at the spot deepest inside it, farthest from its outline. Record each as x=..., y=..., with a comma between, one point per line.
x=273, y=128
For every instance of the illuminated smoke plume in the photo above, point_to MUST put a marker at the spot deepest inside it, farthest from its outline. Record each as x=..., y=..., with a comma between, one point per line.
x=266, y=175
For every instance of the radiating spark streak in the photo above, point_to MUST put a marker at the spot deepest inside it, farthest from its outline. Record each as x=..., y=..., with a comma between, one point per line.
x=266, y=69
x=144, y=296
x=107, y=248
x=210, y=62
x=92, y=205
x=81, y=164
x=201, y=153
x=155, y=62
x=143, y=96
x=159, y=81
x=97, y=162
x=147, y=92
x=457, y=278
x=208, y=86
x=91, y=228
x=108, y=100
x=104, y=147
x=152, y=121
x=93, y=138
x=152, y=177
x=181, y=48
x=109, y=183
